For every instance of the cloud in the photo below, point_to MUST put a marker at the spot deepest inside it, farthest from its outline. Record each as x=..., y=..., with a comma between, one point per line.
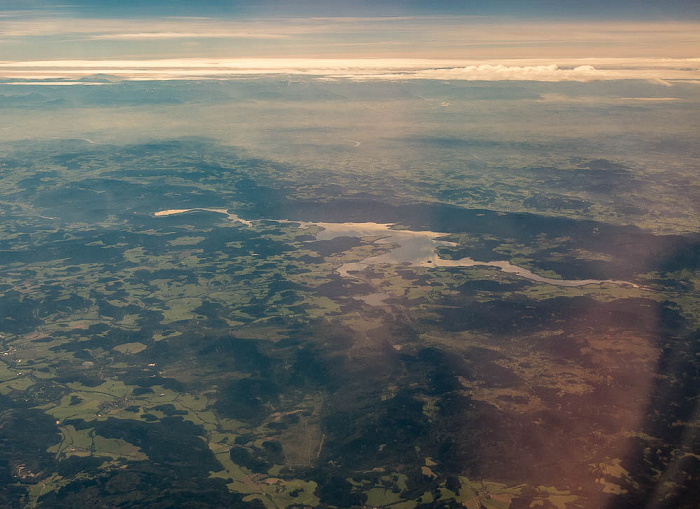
x=454, y=30
x=186, y=35
x=545, y=73
x=500, y=72
x=129, y=29
x=581, y=70
x=52, y=83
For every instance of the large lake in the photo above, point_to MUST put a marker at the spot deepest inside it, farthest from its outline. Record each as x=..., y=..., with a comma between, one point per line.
x=419, y=248
x=415, y=248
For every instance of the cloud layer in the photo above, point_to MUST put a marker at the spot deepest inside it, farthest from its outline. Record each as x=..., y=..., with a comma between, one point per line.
x=24, y=37
x=656, y=70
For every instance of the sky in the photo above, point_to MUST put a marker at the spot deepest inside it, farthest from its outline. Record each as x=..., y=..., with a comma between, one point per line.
x=547, y=40
x=589, y=9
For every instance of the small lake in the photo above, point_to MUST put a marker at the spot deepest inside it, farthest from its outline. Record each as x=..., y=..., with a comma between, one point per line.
x=173, y=212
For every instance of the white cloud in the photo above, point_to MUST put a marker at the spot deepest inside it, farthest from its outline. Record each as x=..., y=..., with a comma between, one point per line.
x=432, y=34
x=548, y=73
x=186, y=35
x=116, y=29
x=649, y=99
x=52, y=83
x=581, y=70
x=500, y=72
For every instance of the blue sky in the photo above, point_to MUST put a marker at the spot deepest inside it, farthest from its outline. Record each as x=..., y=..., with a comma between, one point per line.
x=543, y=9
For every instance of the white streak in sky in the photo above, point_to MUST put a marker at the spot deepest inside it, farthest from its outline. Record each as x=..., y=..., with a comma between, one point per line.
x=581, y=70
x=186, y=35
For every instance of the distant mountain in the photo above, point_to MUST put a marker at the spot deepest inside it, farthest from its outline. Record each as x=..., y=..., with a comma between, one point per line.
x=101, y=78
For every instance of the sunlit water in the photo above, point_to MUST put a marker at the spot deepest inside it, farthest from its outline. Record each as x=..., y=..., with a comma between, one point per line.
x=414, y=248
x=232, y=217
x=419, y=248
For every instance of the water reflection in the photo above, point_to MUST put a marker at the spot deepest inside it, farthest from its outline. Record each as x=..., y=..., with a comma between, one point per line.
x=419, y=248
